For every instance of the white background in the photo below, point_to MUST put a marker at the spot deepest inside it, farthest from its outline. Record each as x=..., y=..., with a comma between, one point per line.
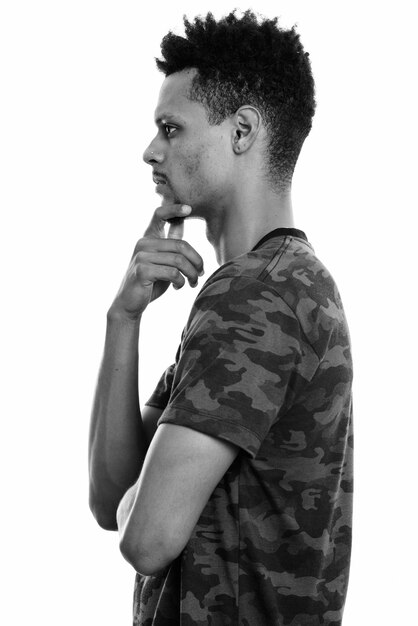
x=79, y=86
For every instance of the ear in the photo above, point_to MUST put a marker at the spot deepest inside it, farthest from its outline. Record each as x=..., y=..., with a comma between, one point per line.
x=246, y=125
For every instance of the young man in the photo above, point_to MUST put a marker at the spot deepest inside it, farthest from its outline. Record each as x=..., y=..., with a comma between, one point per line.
x=232, y=488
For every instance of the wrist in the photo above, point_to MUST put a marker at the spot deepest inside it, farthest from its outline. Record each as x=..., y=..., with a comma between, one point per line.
x=115, y=314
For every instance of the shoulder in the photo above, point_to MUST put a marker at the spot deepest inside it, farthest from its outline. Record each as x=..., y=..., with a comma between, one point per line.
x=239, y=299
x=242, y=315
x=288, y=267
x=284, y=285
x=279, y=272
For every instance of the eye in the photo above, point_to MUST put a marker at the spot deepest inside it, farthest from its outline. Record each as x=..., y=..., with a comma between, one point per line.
x=169, y=130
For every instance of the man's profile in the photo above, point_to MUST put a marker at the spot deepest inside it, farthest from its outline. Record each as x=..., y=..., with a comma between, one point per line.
x=231, y=488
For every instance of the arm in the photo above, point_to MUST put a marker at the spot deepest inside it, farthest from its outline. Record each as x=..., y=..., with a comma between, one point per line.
x=117, y=442
x=242, y=359
x=157, y=515
x=118, y=438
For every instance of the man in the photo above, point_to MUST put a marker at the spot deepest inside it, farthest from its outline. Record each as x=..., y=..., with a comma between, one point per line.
x=232, y=488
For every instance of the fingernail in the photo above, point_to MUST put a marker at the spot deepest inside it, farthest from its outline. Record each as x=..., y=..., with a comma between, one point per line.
x=202, y=272
x=186, y=208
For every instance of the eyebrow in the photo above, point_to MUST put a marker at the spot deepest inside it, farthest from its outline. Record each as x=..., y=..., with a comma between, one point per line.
x=168, y=117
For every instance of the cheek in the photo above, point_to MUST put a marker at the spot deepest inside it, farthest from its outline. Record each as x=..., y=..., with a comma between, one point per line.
x=193, y=165
x=203, y=172
x=195, y=174
x=206, y=166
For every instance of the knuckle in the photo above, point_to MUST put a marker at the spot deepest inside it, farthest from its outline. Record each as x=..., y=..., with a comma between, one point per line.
x=179, y=260
x=181, y=245
x=139, y=245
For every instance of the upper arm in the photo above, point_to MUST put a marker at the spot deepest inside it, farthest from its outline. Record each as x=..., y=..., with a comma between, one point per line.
x=150, y=416
x=181, y=470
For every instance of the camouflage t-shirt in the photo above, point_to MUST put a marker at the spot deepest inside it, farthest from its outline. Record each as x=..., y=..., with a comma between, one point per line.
x=265, y=363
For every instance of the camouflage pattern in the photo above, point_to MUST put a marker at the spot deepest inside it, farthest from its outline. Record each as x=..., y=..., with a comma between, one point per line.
x=264, y=362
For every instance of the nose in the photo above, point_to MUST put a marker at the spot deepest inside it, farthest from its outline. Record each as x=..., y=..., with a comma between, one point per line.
x=152, y=154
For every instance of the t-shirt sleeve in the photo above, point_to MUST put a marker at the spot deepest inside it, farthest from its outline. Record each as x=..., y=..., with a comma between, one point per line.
x=243, y=358
x=161, y=394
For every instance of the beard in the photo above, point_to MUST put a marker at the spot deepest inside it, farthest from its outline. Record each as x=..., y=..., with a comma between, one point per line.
x=169, y=196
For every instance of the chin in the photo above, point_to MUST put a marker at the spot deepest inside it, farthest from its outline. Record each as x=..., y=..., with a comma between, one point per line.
x=170, y=198
x=167, y=199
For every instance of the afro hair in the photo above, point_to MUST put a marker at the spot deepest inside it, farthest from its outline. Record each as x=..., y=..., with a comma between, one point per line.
x=242, y=61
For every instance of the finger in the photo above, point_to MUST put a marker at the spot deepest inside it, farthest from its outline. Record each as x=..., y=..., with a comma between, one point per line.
x=179, y=246
x=170, y=259
x=151, y=273
x=162, y=215
x=176, y=228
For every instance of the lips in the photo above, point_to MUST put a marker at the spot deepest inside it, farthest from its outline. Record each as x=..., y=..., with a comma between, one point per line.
x=159, y=179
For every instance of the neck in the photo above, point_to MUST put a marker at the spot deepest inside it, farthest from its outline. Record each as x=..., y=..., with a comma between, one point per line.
x=240, y=224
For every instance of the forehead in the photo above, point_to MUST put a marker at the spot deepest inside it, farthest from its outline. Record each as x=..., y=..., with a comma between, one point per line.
x=173, y=100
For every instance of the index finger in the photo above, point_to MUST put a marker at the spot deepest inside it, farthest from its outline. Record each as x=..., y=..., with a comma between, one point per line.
x=162, y=215
x=176, y=228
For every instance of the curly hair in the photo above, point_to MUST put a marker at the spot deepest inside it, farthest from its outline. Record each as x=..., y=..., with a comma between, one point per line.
x=243, y=62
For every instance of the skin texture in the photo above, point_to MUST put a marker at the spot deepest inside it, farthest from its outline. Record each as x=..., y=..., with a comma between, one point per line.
x=217, y=170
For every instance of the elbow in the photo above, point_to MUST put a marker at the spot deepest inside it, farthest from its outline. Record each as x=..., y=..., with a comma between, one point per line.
x=146, y=561
x=104, y=515
x=106, y=522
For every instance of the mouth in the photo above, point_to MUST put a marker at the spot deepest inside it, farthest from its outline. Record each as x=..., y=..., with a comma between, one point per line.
x=159, y=180
x=161, y=185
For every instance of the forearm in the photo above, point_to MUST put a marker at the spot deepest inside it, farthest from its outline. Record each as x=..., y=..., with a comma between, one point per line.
x=117, y=443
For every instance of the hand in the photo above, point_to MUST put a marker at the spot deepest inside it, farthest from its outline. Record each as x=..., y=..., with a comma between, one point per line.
x=158, y=261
